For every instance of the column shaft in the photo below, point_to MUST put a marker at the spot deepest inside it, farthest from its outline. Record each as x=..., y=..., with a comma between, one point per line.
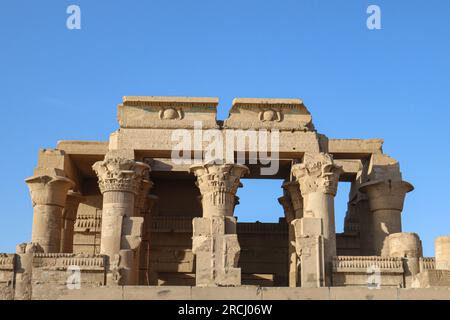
x=322, y=207
x=318, y=178
x=48, y=194
x=69, y=217
x=386, y=198
x=120, y=181
x=214, y=241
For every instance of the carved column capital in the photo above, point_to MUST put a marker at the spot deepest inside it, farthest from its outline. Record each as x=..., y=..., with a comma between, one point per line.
x=317, y=173
x=48, y=194
x=142, y=198
x=218, y=184
x=120, y=174
x=293, y=190
x=386, y=194
x=73, y=201
x=69, y=215
x=286, y=203
x=219, y=177
x=49, y=190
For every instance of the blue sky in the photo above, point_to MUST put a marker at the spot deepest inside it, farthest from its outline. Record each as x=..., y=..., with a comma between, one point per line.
x=393, y=83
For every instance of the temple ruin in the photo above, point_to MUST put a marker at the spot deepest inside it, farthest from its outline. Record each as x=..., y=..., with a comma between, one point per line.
x=122, y=214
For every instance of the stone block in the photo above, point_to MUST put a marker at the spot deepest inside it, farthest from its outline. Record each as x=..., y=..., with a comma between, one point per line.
x=355, y=293
x=424, y=294
x=99, y=293
x=432, y=278
x=167, y=112
x=283, y=293
x=227, y=293
x=157, y=293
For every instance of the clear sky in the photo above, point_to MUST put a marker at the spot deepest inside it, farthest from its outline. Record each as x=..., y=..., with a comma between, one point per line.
x=393, y=83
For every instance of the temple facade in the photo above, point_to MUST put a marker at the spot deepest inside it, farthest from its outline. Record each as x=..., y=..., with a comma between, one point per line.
x=125, y=213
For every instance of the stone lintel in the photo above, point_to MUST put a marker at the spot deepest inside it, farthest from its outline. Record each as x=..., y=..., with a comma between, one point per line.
x=169, y=101
x=354, y=148
x=88, y=148
x=265, y=113
x=350, y=169
x=167, y=112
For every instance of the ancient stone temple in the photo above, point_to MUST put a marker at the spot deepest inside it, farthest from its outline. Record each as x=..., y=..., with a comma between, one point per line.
x=124, y=218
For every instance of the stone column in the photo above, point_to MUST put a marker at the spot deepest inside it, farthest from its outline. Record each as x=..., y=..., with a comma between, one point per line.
x=120, y=181
x=140, y=210
x=48, y=194
x=214, y=240
x=24, y=268
x=409, y=247
x=293, y=191
x=69, y=216
x=386, y=198
x=360, y=209
x=318, y=177
x=289, y=214
x=295, y=205
x=150, y=276
x=442, y=248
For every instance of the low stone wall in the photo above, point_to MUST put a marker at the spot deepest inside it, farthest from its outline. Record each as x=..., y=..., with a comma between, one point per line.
x=48, y=275
x=360, y=271
x=55, y=273
x=254, y=293
x=7, y=265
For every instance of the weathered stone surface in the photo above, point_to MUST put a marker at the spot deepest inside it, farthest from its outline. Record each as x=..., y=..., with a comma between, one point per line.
x=340, y=293
x=93, y=197
x=280, y=293
x=240, y=293
x=98, y=293
x=281, y=114
x=120, y=181
x=157, y=293
x=442, y=248
x=214, y=240
x=167, y=112
x=48, y=194
x=424, y=294
x=431, y=278
x=386, y=198
x=318, y=178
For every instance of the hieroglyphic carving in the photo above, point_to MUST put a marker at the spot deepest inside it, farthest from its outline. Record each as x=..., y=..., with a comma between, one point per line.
x=6, y=261
x=125, y=184
x=214, y=240
x=217, y=253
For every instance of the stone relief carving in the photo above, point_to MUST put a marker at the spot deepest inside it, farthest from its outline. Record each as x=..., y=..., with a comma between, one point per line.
x=171, y=114
x=270, y=115
x=120, y=174
x=62, y=261
x=318, y=172
x=114, y=267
